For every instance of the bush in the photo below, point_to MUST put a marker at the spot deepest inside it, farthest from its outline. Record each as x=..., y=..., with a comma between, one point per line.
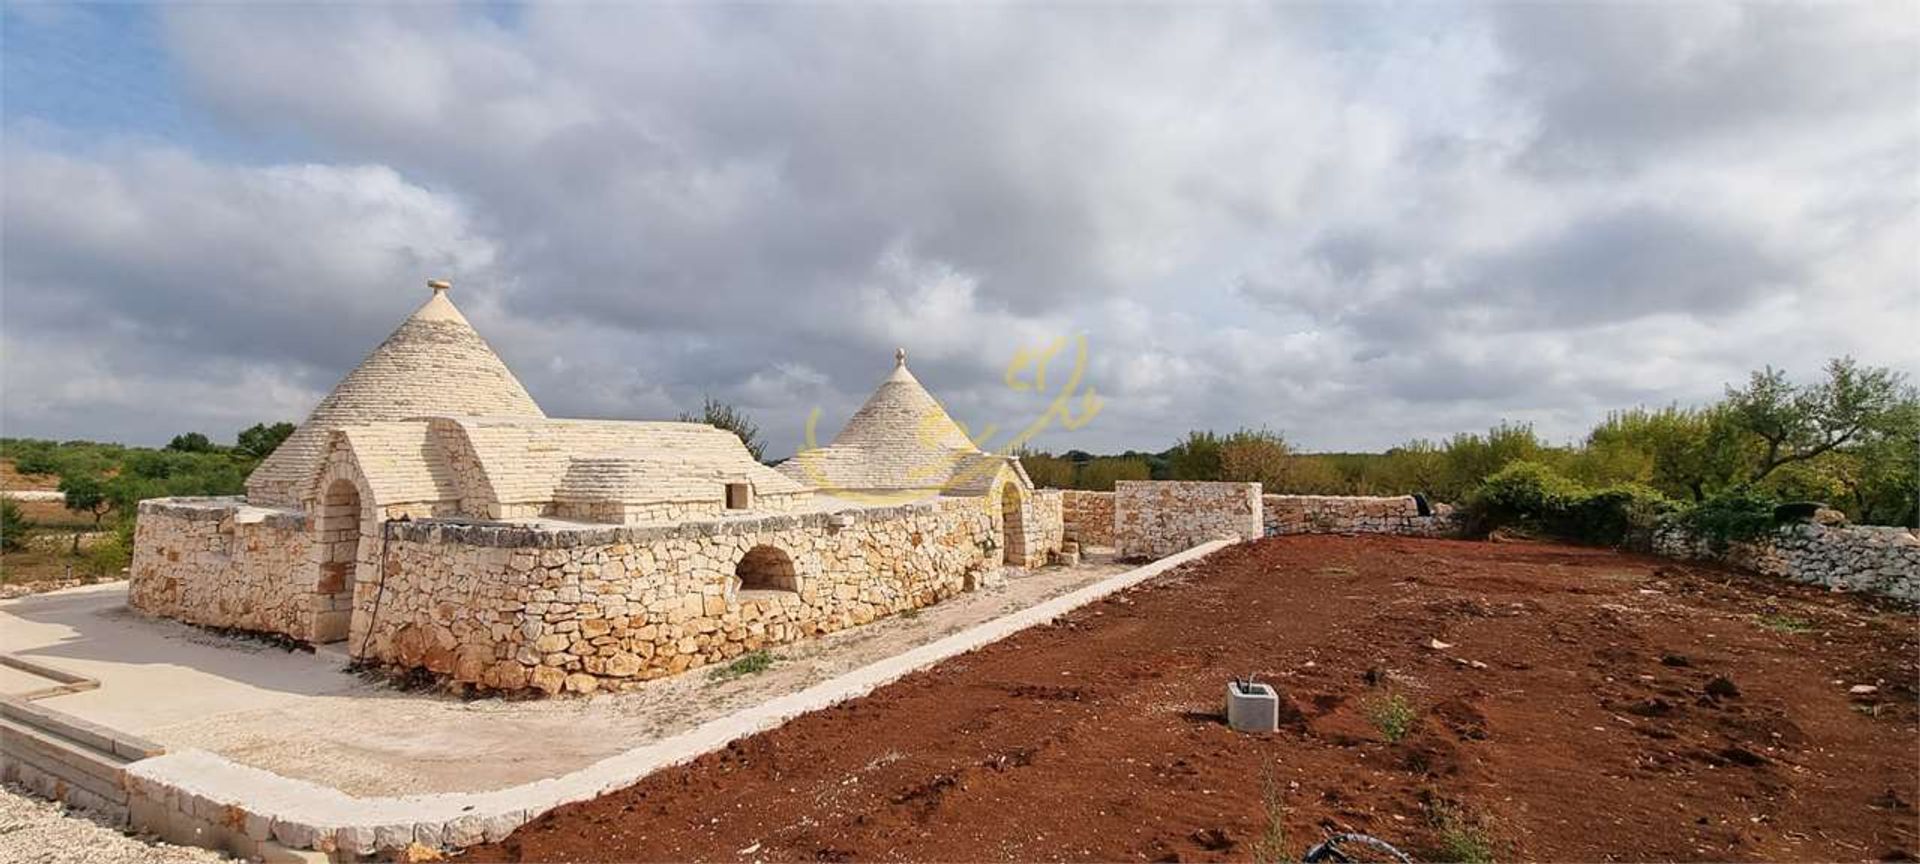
x=1101, y=473
x=1624, y=514
x=109, y=555
x=15, y=527
x=1739, y=513
x=1534, y=497
x=1524, y=495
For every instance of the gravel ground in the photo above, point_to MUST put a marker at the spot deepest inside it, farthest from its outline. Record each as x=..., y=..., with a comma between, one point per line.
x=42, y=832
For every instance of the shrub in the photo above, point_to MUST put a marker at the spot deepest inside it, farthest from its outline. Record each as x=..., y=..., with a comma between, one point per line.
x=1101, y=473
x=1524, y=494
x=1624, y=514
x=111, y=554
x=1739, y=513
x=1393, y=715
x=15, y=527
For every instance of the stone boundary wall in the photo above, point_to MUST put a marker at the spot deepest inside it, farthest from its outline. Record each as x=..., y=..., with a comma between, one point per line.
x=583, y=609
x=1156, y=518
x=220, y=563
x=1340, y=514
x=1086, y=516
x=1873, y=559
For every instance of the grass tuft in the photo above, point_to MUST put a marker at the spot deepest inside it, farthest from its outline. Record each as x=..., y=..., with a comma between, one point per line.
x=1461, y=838
x=1393, y=715
x=1271, y=848
x=1783, y=623
x=750, y=663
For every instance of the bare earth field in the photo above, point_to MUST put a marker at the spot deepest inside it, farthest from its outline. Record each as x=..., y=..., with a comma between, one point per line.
x=1579, y=704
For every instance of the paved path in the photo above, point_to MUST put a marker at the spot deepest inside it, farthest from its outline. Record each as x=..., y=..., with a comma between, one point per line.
x=301, y=716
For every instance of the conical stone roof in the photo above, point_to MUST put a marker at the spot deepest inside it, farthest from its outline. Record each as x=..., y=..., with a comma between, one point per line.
x=433, y=364
x=901, y=414
x=900, y=440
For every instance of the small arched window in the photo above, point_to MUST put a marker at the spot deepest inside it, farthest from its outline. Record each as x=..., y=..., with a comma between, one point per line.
x=766, y=568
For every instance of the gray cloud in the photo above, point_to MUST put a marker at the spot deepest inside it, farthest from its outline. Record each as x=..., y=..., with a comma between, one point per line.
x=1354, y=227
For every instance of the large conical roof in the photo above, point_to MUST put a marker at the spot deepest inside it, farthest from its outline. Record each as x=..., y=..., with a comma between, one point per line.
x=434, y=364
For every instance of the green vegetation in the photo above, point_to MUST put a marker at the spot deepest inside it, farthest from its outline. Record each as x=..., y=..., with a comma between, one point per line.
x=15, y=527
x=1460, y=838
x=1850, y=439
x=714, y=412
x=104, y=483
x=1271, y=846
x=1393, y=715
x=750, y=663
x=1783, y=623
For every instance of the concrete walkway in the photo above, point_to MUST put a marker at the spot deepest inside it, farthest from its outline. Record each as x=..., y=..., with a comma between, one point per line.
x=299, y=715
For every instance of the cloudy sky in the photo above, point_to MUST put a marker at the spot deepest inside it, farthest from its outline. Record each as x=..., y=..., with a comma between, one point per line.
x=1356, y=224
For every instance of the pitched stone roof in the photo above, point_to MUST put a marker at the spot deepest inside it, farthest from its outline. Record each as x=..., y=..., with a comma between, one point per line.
x=901, y=439
x=536, y=460
x=401, y=462
x=434, y=364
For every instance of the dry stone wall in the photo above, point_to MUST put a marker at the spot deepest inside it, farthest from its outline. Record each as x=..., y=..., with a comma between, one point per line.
x=1087, y=517
x=1335, y=514
x=220, y=563
x=1154, y=519
x=509, y=608
x=1870, y=558
x=1044, y=530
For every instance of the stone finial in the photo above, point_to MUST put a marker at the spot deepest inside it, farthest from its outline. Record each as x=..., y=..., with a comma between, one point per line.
x=899, y=356
x=439, y=286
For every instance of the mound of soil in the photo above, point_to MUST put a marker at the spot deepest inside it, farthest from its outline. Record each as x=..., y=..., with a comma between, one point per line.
x=1524, y=700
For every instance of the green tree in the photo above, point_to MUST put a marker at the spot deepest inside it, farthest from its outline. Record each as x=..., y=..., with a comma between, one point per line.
x=1102, y=472
x=192, y=442
x=716, y=413
x=1046, y=470
x=15, y=527
x=86, y=493
x=260, y=439
x=1197, y=458
x=1794, y=423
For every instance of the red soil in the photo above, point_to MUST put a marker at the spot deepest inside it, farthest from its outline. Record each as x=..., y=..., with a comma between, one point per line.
x=1594, y=730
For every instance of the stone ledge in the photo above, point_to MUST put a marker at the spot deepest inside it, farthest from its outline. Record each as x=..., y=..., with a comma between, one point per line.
x=550, y=536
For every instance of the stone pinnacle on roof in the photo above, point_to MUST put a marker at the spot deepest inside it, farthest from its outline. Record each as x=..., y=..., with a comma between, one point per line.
x=433, y=364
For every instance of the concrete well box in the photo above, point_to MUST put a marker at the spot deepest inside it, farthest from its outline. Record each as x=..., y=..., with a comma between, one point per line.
x=1252, y=707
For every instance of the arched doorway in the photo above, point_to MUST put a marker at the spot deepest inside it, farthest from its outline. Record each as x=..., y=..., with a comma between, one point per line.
x=766, y=568
x=337, y=548
x=1013, y=526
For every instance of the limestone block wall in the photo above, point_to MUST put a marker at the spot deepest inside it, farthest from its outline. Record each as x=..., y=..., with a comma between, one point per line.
x=1157, y=518
x=1336, y=514
x=1087, y=517
x=1044, y=527
x=1870, y=558
x=220, y=563
x=511, y=607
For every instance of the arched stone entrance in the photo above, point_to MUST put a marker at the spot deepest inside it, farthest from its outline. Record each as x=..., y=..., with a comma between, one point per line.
x=336, y=547
x=1013, y=526
x=766, y=568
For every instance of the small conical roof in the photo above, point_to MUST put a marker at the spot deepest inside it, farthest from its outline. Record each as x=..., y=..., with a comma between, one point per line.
x=900, y=440
x=433, y=364
x=903, y=414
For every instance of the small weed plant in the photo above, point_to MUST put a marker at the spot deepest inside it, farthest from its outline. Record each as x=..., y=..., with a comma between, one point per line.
x=1461, y=838
x=1783, y=623
x=751, y=663
x=1271, y=847
x=1393, y=715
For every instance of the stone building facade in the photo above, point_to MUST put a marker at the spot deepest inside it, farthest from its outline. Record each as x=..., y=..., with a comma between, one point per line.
x=432, y=516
